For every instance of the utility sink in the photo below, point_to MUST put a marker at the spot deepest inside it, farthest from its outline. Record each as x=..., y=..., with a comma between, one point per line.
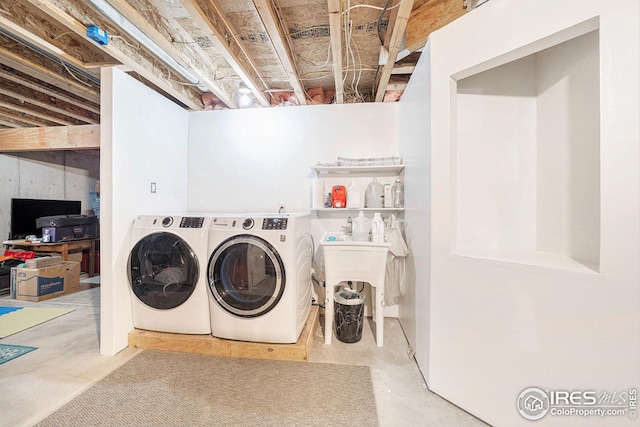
x=346, y=259
x=343, y=239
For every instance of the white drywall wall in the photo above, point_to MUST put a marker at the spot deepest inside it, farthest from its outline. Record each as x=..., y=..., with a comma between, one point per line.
x=143, y=139
x=414, y=129
x=250, y=160
x=498, y=327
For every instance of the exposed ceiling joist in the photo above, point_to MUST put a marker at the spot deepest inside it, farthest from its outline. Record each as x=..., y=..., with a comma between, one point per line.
x=25, y=23
x=32, y=112
x=83, y=137
x=11, y=28
x=94, y=108
x=20, y=119
x=269, y=16
x=199, y=53
x=8, y=123
x=48, y=74
x=404, y=10
x=210, y=18
x=335, y=27
x=33, y=98
x=403, y=69
x=124, y=52
x=202, y=64
x=189, y=59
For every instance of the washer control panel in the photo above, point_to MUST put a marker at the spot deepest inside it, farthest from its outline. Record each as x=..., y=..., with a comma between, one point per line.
x=274, y=224
x=191, y=222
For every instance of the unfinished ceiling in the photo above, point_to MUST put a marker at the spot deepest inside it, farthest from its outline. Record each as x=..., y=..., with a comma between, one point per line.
x=208, y=54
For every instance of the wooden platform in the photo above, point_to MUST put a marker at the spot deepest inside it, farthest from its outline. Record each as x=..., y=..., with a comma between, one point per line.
x=207, y=344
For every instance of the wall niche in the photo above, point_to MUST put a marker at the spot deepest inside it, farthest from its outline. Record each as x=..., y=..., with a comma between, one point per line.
x=526, y=156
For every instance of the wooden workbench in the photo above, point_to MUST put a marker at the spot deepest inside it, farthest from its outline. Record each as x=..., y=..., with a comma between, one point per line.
x=63, y=248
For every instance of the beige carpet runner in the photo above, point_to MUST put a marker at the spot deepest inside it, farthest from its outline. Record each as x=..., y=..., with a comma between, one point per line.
x=160, y=388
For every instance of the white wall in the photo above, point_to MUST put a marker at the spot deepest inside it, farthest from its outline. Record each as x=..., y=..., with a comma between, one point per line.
x=250, y=160
x=498, y=327
x=143, y=139
x=415, y=145
x=221, y=161
x=568, y=161
x=61, y=175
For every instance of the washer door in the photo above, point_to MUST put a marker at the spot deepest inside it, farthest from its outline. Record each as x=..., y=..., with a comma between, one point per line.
x=246, y=276
x=163, y=270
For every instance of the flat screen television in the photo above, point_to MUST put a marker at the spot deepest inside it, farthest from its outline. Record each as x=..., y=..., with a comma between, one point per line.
x=24, y=213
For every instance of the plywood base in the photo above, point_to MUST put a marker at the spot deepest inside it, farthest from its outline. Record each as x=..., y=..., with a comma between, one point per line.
x=207, y=344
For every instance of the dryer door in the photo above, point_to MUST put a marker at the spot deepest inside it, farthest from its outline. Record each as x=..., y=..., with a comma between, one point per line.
x=246, y=276
x=163, y=270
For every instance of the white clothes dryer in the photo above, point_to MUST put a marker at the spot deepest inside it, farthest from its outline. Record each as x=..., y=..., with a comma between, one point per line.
x=259, y=276
x=167, y=273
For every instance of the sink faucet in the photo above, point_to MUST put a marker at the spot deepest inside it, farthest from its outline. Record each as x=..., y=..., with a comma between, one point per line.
x=348, y=229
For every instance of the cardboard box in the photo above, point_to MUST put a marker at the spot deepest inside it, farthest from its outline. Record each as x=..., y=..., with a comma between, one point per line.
x=45, y=261
x=37, y=284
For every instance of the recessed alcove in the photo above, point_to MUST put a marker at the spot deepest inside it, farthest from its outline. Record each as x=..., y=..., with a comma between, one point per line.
x=525, y=156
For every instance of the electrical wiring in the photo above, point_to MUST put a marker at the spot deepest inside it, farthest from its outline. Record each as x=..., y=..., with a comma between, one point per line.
x=351, y=57
x=316, y=78
x=124, y=40
x=372, y=7
x=375, y=77
x=359, y=69
x=384, y=10
x=72, y=74
x=325, y=62
x=329, y=74
x=62, y=34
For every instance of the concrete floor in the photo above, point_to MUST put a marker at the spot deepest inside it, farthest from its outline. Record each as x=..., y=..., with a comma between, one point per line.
x=67, y=361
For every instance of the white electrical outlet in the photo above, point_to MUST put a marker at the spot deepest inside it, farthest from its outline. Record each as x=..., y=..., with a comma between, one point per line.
x=282, y=207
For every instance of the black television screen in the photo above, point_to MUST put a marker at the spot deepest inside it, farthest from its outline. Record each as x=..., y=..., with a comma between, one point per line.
x=24, y=213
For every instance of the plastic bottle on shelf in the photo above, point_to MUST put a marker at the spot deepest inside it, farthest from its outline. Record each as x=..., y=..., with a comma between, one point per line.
x=398, y=193
x=377, y=228
x=374, y=196
x=361, y=227
x=388, y=196
x=353, y=196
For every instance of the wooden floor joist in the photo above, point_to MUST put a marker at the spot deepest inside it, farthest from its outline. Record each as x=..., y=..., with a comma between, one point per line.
x=82, y=137
x=207, y=344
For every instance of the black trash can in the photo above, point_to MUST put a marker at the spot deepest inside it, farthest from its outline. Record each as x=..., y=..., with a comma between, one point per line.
x=348, y=315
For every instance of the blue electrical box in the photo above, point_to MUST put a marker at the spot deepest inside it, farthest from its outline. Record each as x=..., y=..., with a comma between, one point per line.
x=97, y=35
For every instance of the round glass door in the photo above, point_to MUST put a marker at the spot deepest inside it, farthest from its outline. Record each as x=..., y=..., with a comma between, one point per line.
x=163, y=270
x=246, y=276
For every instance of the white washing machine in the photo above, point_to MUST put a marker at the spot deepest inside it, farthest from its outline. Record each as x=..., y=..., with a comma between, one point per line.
x=259, y=276
x=167, y=273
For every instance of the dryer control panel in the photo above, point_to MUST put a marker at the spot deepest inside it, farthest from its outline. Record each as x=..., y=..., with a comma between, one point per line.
x=274, y=224
x=191, y=222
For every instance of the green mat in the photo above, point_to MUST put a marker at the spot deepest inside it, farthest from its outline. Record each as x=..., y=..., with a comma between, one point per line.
x=28, y=317
x=10, y=352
